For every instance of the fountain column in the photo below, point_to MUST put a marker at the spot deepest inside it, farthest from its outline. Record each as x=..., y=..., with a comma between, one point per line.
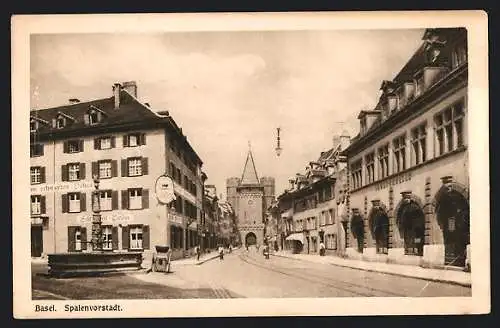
x=96, y=218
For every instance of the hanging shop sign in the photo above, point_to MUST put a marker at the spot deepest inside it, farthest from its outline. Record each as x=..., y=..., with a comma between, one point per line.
x=164, y=189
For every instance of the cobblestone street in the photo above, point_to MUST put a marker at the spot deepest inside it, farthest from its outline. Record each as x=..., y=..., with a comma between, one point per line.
x=244, y=274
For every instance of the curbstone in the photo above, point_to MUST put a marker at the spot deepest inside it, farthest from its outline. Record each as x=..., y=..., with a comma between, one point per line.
x=453, y=282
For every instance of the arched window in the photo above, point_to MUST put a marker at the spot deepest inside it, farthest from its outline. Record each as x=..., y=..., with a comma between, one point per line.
x=412, y=225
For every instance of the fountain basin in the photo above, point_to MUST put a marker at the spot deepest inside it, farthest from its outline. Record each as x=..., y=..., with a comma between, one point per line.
x=88, y=264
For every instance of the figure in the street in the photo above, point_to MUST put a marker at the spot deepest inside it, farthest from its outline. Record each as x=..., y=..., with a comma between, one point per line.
x=321, y=249
x=198, y=252
x=221, y=252
x=266, y=251
x=230, y=248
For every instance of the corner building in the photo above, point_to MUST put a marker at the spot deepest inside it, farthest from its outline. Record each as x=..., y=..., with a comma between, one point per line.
x=127, y=146
x=250, y=197
x=408, y=197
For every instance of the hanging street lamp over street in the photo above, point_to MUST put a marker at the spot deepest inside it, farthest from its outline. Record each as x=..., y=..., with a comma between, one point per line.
x=278, y=147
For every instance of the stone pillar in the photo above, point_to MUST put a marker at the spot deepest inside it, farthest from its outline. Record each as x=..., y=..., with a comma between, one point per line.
x=392, y=220
x=367, y=240
x=433, y=238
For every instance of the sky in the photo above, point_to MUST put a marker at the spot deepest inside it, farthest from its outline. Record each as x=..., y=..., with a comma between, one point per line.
x=229, y=89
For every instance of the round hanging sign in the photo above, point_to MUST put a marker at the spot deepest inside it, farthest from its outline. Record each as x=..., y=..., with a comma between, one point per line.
x=164, y=189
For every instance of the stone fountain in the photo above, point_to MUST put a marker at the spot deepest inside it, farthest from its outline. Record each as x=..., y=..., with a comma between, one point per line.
x=97, y=261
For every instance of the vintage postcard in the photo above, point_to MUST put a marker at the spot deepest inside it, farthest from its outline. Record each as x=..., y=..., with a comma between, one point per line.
x=250, y=164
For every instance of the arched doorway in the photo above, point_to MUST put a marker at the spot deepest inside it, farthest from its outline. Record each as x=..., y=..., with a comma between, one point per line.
x=411, y=223
x=250, y=239
x=452, y=211
x=380, y=229
x=358, y=231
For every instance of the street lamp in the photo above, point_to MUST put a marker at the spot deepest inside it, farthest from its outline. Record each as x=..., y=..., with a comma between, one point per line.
x=278, y=147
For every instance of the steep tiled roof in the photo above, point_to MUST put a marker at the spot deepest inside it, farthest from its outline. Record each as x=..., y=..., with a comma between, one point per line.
x=249, y=176
x=130, y=111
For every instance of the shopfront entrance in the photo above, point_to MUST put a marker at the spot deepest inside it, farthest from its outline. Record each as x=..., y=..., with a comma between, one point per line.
x=411, y=222
x=36, y=241
x=358, y=231
x=453, y=216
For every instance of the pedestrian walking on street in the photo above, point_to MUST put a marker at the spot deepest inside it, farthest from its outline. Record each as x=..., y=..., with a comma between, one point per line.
x=221, y=252
x=321, y=249
x=198, y=252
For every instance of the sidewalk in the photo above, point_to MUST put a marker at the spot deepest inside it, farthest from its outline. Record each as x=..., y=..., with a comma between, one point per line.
x=411, y=271
x=203, y=258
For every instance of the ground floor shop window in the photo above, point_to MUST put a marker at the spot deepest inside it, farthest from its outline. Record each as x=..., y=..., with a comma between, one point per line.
x=331, y=241
x=136, y=238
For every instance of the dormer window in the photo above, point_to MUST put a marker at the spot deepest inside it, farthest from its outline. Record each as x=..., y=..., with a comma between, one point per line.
x=33, y=126
x=60, y=123
x=93, y=118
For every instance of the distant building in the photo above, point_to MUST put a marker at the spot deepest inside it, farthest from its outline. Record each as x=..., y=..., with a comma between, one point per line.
x=126, y=145
x=309, y=208
x=250, y=197
x=408, y=167
x=211, y=214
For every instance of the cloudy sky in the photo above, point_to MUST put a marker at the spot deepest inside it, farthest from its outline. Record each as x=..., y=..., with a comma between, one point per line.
x=228, y=88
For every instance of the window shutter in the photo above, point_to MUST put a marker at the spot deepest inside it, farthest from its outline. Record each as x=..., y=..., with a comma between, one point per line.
x=114, y=168
x=124, y=199
x=53, y=122
x=83, y=238
x=95, y=168
x=42, y=174
x=124, y=168
x=82, y=171
x=143, y=138
x=40, y=149
x=125, y=238
x=114, y=237
x=86, y=119
x=83, y=202
x=71, y=239
x=42, y=204
x=144, y=165
x=145, y=198
x=114, y=200
x=65, y=147
x=113, y=142
x=145, y=237
x=64, y=173
x=125, y=141
x=64, y=203
x=97, y=143
x=80, y=145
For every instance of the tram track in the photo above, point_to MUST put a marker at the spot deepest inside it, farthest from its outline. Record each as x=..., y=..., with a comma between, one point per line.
x=353, y=288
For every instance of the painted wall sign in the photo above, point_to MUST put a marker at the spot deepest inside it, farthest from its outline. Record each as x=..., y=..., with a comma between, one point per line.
x=393, y=181
x=164, y=189
x=175, y=218
x=112, y=218
x=183, y=193
x=62, y=187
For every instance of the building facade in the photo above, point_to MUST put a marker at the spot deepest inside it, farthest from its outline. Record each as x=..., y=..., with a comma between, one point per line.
x=309, y=209
x=127, y=146
x=408, y=196
x=249, y=197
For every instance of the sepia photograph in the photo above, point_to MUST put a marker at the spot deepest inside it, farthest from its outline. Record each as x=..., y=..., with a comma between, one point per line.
x=319, y=159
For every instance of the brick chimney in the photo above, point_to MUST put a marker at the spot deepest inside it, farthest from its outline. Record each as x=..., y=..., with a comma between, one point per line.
x=73, y=101
x=116, y=94
x=130, y=87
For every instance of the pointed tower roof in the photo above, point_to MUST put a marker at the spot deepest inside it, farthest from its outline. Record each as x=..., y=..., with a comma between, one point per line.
x=249, y=176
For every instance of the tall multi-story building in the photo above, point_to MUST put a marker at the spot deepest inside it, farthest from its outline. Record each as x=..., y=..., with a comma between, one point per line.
x=127, y=146
x=408, y=166
x=250, y=197
x=309, y=208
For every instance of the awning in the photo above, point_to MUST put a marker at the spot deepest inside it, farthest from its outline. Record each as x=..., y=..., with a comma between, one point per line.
x=296, y=236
